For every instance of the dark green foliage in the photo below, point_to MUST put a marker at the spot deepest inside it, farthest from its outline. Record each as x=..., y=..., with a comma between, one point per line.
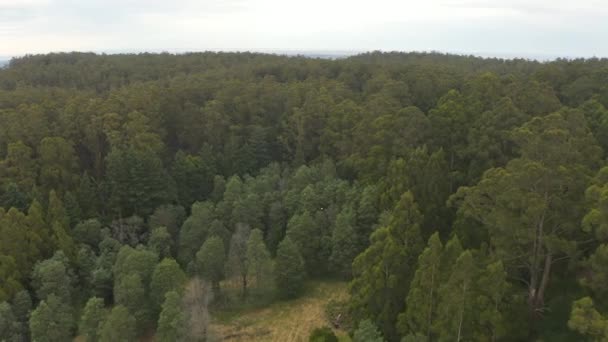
x=110, y=163
x=138, y=183
x=324, y=334
x=119, y=326
x=383, y=272
x=172, y=320
x=161, y=242
x=167, y=276
x=290, y=272
x=367, y=332
x=210, y=261
x=52, y=312
x=92, y=320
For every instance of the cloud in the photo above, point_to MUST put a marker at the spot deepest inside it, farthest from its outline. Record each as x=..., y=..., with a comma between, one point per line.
x=557, y=26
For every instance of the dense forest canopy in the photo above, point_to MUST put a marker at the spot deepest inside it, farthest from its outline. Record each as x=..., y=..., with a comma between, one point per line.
x=463, y=198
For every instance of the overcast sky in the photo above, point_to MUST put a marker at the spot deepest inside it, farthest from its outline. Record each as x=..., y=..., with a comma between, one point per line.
x=568, y=28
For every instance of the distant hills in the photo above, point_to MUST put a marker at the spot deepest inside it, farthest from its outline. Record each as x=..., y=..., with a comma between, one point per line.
x=4, y=62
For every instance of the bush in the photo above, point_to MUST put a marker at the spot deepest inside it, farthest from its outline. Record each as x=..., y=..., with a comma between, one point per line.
x=324, y=334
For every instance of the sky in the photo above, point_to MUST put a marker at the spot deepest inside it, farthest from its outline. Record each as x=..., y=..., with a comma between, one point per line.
x=504, y=28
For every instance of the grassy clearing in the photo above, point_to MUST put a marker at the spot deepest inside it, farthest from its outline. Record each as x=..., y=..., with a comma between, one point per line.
x=286, y=321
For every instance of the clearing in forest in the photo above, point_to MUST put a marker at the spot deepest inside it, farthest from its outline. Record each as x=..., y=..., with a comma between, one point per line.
x=285, y=321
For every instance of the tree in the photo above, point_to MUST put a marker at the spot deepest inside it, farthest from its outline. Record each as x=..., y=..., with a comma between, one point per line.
x=19, y=166
x=236, y=265
x=161, y=242
x=422, y=299
x=367, y=332
x=586, y=320
x=88, y=232
x=57, y=218
x=137, y=180
x=52, y=312
x=344, y=243
x=53, y=277
x=92, y=320
x=131, y=261
x=383, y=272
x=58, y=164
x=194, y=231
x=290, y=272
x=130, y=293
x=119, y=326
x=536, y=198
x=210, y=261
x=259, y=264
x=307, y=235
x=11, y=278
x=172, y=320
x=193, y=176
x=167, y=276
x=456, y=301
x=8, y=323
x=169, y=216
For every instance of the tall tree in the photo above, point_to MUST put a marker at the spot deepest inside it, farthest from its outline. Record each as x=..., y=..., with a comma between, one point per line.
x=259, y=265
x=210, y=262
x=119, y=326
x=92, y=320
x=290, y=272
x=167, y=276
x=422, y=299
x=172, y=320
x=236, y=263
x=536, y=198
x=383, y=272
x=52, y=312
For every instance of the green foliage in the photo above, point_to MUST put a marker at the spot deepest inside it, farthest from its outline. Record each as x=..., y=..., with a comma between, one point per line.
x=167, y=276
x=259, y=265
x=99, y=151
x=119, y=326
x=52, y=312
x=161, y=242
x=422, y=299
x=92, y=320
x=210, y=261
x=53, y=277
x=194, y=231
x=344, y=243
x=367, y=332
x=289, y=270
x=172, y=320
x=324, y=334
x=382, y=273
x=138, y=183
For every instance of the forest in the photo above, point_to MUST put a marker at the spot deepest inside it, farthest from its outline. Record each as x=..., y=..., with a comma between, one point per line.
x=462, y=198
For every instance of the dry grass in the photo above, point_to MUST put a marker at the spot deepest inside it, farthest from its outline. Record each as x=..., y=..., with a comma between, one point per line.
x=287, y=321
